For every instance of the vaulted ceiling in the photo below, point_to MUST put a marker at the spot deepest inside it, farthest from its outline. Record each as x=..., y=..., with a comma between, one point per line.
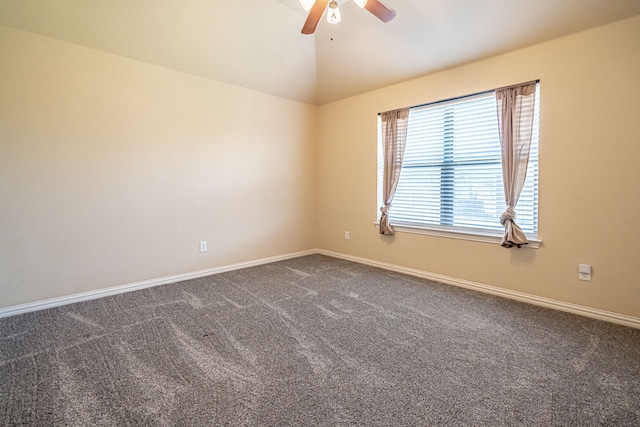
x=257, y=44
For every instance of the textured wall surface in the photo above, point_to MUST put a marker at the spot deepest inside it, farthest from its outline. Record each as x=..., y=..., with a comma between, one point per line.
x=588, y=206
x=112, y=171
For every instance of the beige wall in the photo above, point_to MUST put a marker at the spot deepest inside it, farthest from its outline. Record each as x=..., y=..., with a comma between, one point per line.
x=112, y=171
x=589, y=204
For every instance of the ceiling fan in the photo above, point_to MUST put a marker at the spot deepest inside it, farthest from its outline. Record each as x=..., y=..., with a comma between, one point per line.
x=316, y=10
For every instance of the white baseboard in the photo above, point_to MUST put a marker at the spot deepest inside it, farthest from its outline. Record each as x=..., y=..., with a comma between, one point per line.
x=85, y=296
x=595, y=313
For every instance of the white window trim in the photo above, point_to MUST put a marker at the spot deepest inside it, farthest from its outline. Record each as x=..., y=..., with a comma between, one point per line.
x=460, y=233
x=482, y=236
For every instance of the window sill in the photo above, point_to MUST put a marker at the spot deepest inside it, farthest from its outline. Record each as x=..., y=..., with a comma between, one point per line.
x=472, y=235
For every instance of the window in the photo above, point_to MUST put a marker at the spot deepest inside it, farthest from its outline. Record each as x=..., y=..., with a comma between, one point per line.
x=451, y=178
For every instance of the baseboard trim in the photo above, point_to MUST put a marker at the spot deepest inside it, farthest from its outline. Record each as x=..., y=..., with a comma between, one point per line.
x=120, y=289
x=594, y=313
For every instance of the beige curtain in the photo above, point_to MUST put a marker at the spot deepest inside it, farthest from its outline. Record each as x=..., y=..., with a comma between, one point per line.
x=394, y=139
x=515, y=120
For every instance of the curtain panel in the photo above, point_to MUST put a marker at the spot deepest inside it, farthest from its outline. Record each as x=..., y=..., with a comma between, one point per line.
x=394, y=139
x=515, y=106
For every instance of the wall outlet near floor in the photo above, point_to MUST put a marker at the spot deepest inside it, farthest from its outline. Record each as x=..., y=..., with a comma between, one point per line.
x=203, y=246
x=346, y=235
x=584, y=272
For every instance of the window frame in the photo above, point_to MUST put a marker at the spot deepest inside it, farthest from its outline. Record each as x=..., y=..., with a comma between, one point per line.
x=456, y=232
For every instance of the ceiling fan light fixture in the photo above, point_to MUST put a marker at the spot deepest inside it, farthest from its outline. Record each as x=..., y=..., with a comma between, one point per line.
x=376, y=7
x=333, y=14
x=306, y=4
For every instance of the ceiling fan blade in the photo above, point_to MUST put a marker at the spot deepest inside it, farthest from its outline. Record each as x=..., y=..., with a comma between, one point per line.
x=314, y=16
x=380, y=10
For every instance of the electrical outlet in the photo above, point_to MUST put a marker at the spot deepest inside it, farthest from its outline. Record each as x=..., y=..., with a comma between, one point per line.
x=346, y=235
x=584, y=272
x=203, y=246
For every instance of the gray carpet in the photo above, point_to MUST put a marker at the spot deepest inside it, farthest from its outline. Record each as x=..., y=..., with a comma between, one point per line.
x=315, y=341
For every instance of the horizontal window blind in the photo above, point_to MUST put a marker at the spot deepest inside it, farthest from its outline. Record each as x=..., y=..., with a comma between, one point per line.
x=452, y=172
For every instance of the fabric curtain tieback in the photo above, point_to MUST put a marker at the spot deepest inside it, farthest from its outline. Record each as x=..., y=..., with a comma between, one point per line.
x=508, y=215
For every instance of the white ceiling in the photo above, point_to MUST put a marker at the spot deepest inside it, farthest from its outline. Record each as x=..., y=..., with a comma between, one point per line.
x=257, y=43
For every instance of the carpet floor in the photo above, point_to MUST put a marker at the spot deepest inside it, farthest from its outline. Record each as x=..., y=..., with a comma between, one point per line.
x=315, y=341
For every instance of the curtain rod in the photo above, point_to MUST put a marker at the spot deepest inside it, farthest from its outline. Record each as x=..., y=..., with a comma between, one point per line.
x=518, y=84
x=468, y=96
